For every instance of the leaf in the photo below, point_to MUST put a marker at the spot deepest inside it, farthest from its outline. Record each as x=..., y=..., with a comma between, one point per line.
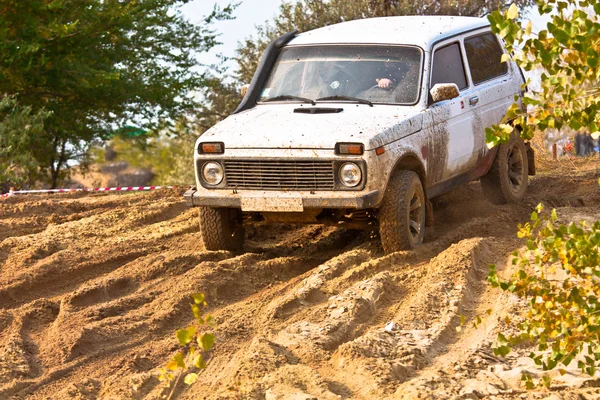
x=185, y=336
x=206, y=341
x=172, y=365
x=198, y=298
x=179, y=360
x=513, y=12
x=534, y=216
x=547, y=380
x=529, y=385
x=190, y=378
x=528, y=28
x=199, y=362
x=196, y=311
x=505, y=58
x=502, y=339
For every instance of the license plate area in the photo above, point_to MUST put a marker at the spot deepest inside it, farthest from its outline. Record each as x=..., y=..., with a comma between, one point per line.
x=281, y=203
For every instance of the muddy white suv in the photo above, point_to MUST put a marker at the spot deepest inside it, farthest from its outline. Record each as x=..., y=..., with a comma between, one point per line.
x=360, y=124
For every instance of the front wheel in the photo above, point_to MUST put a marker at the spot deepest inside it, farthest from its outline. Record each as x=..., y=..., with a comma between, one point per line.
x=402, y=213
x=506, y=181
x=221, y=228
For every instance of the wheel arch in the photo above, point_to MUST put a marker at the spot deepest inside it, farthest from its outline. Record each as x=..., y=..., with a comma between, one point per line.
x=411, y=162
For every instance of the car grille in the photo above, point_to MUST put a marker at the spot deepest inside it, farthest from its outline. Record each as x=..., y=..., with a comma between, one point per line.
x=277, y=175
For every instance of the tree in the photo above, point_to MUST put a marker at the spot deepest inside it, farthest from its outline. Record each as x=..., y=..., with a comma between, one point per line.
x=557, y=275
x=568, y=53
x=98, y=65
x=20, y=130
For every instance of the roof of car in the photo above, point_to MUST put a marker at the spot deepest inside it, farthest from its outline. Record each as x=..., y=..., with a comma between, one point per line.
x=421, y=31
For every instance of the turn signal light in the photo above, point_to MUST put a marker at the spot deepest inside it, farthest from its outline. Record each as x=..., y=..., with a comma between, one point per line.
x=355, y=149
x=211, y=148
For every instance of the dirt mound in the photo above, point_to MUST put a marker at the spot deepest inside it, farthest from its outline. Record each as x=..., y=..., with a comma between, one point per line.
x=93, y=287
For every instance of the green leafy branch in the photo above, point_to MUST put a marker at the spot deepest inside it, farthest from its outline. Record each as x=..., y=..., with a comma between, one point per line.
x=195, y=346
x=568, y=55
x=559, y=277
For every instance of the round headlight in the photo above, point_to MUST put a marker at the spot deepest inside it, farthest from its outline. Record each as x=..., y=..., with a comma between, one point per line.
x=350, y=174
x=212, y=173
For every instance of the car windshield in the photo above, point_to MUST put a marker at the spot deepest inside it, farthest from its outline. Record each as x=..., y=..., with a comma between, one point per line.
x=379, y=74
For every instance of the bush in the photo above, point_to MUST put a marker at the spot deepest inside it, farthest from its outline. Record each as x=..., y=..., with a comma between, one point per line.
x=559, y=278
x=194, y=347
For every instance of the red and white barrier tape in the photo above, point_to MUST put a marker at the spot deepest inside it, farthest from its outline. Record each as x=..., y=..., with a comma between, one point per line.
x=111, y=189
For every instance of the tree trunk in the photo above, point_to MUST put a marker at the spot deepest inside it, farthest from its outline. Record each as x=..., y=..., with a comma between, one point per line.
x=56, y=170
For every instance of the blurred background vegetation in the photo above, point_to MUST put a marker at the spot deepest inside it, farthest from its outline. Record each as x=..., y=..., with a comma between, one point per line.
x=85, y=78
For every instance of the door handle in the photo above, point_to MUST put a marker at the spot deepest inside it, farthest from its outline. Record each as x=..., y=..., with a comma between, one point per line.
x=474, y=100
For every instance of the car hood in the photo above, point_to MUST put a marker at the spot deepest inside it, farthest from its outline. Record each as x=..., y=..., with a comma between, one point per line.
x=278, y=126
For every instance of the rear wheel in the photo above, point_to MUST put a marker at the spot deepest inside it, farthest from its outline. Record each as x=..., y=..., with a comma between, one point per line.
x=402, y=213
x=506, y=181
x=221, y=228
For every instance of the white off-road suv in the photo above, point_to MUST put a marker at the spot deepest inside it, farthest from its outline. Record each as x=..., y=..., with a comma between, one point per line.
x=360, y=124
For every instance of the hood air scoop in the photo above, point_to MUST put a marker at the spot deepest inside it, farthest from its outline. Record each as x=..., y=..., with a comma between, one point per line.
x=318, y=110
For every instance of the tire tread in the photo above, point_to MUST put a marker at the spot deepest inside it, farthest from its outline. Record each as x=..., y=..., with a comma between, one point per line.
x=392, y=222
x=215, y=231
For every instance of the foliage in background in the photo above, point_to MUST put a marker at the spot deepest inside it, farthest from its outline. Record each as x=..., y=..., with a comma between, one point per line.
x=194, y=348
x=169, y=157
x=568, y=53
x=20, y=134
x=99, y=65
x=559, y=278
x=311, y=14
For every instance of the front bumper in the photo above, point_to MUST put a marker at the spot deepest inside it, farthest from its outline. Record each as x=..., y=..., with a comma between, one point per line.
x=232, y=199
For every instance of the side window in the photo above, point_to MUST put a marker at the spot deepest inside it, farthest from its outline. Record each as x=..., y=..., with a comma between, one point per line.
x=484, y=53
x=448, y=66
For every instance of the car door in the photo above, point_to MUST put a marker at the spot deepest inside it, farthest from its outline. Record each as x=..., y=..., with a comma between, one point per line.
x=494, y=86
x=452, y=141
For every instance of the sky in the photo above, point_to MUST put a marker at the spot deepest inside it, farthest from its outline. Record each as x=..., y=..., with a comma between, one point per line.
x=247, y=15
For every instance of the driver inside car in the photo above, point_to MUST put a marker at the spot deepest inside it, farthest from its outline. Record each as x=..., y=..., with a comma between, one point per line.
x=394, y=78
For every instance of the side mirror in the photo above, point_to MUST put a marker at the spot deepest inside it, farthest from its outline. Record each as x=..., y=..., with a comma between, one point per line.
x=244, y=90
x=444, y=91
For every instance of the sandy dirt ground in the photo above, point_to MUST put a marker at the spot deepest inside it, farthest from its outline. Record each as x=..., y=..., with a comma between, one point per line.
x=93, y=288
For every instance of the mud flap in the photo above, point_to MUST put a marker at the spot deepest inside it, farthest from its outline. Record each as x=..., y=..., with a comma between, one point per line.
x=428, y=214
x=530, y=158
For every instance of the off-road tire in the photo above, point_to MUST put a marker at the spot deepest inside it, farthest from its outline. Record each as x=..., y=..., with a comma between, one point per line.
x=221, y=228
x=401, y=228
x=506, y=181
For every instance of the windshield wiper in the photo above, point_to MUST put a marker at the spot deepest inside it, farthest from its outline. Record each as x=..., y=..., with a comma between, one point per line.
x=290, y=97
x=361, y=101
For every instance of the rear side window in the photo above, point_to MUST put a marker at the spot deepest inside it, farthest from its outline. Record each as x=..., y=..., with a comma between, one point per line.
x=484, y=53
x=448, y=66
